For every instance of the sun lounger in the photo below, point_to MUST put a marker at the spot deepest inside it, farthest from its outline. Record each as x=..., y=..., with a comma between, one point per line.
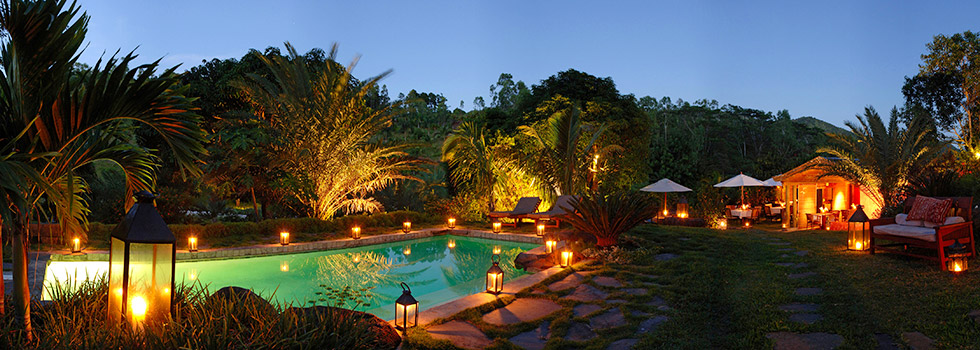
x=556, y=212
x=525, y=205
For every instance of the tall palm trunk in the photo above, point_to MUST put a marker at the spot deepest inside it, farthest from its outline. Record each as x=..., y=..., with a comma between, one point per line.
x=22, y=290
x=3, y=286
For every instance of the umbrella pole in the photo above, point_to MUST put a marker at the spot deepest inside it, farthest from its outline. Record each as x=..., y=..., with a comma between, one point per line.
x=742, y=189
x=665, y=205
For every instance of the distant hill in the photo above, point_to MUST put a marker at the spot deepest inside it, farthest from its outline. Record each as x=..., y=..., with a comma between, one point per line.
x=822, y=125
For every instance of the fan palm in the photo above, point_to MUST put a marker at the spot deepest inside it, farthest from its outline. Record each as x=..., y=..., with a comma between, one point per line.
x=80, y=117
x=475, y=166
x=607, y=216
x=879, y=157
x=323, y=112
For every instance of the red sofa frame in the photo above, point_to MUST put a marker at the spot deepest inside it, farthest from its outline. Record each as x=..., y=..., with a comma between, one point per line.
x=945, y=235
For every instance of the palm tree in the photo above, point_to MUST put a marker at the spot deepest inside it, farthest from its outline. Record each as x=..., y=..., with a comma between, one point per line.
x=81, y=116
x=323, y=113
x=475, y=165
x=882, y=158
x=565, y=154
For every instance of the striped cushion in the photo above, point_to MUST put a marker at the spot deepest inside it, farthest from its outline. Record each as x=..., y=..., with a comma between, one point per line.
x=930, y=209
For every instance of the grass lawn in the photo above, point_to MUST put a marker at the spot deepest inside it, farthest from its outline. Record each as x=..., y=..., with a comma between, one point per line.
x=724, y=290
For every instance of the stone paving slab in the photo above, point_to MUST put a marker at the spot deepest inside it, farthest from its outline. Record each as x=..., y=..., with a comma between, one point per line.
x=651, y=324
x=975, y=315
x=521, y=310
x=634, y=291
x=808, y=291
x=665, y=257
x=801, y=275
x=580, y=332
x=569, y=281
x=785, y=249
x=535, y=339
x=784, y=264
x=800, y=265
x=585, y=309
x=461, y=334
x=607, y=282
x=656, y=301
x=778, y=243
x=918, y=341
x=805, y=341
x=802, y=253
x=805, y=318
x=610, y=319
x=799, y=307
x=587, y=293
x=616, y=301
x=623, y=344
x=886, y=342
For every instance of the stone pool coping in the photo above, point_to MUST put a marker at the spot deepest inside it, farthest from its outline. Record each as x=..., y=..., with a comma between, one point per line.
x=305, y=247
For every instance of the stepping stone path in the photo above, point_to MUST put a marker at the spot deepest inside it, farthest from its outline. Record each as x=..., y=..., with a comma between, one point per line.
x=795, y=341
x=799, y=307
x=778, y=243
x=623, y=344
x=616, y=301
x=569, y=281
x=634, y=291
x=975, y=315
x=801, y=275
x=587, y=293
x=610, y=319
x=651, y=324
x=886, y=342
x=665, y=257
x=534, y=339
x=918, y=341
x=808, y=291
x=657, y=301
x=802, y=253
x=461, y=334
x=805, y=318
x=521, y=310
x=785, y=249
x=585, y=310
x=580, y=332
x=607, y=282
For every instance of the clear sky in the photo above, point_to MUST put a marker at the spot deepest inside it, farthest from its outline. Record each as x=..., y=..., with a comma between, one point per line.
x=826, y=59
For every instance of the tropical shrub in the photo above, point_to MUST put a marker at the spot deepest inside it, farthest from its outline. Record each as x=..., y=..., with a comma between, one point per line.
x=606, y=216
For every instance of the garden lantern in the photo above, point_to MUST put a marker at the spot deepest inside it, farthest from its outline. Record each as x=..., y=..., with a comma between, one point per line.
x=550, y=244
x=284, y=238
x=682, y=208
x=406, y=309
x=496, y=249
x=956, y=255
x=192, y=244
x=540, y=229
x=76, y=245
x=141, y=266
x=495, y=276
x=566, y=258
x=452, y=243
x=722, y=224
x=407, y=226
x=355, y=232
x=451, y=223
x=858, y=234
x=496, y=226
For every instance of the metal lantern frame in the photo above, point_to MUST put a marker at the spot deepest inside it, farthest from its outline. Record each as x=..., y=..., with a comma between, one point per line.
x=550, y=243
x=355, y=232
x=540, y=229
x=956, y=257
x=402, y=308
x=682, y=208
x=858, y=230
x=451, y=223
x=407, y=226
x=76, y=245
x=142, y=261
x=497, y=226
x=284, y=238
x=565, y=259
x=192, y=244
x=495, y=276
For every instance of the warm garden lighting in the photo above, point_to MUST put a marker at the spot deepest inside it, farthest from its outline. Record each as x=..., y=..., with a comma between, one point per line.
x=540, y=230
x=722, y=224
x=497, y=226
x=496, y=249
x=407, y=226
x=356, y=259
x=406, y=309
x=495, y=276
x=452, y=243
x=284, y=266
x=355, y=232
x=956, y=255
x=858, y=232
x=192, y=244
x=141, y=265
x=407, y=250
x=748, y=223
x=682, y=208
x=550, y=244
x=451, y=223
x=191, y=275
x=565, y=260
x=76, y=245
x=976, y=155
x=284, y=238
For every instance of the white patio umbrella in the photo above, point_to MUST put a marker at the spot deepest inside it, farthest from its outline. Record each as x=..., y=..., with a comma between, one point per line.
x=665, y=185
x=771, y=182
x=740, y=181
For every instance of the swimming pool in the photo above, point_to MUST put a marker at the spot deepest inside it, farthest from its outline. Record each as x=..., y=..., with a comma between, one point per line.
x=438, y=269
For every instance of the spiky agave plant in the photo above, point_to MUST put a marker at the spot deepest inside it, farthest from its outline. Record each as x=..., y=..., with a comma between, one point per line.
x=608, y=215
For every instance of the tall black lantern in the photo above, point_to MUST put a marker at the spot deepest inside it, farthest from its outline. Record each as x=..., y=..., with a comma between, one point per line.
x=141, y=265
x=682, y=208
x=495, y=276
x=858, y=233
x=406, y=309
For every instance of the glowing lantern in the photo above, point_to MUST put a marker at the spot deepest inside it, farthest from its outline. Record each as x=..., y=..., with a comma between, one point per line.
x=858, y=233
x=407, y=226
x=956, y=255
x=747, y=223
x=682, y=208
x=550, y=244
x=496, y=226
x=451, y=223
x=284, y=238
x=192, y=244
x=141, y=266
x=406, y=309
x=722, y=224
x=452, y=243
x=496, y=249
x=566, y=258
x=76, y=245
x=355, y=232
x=540, y=230
x=495, y=276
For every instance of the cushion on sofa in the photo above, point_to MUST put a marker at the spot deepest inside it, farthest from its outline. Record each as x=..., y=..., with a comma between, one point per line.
x=925, y=234
x=929, y=209
x=902, y=219
x=949, y=221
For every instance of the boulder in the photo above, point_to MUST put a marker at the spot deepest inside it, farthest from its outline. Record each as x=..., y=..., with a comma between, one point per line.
x=236, y=295
x=386, y=336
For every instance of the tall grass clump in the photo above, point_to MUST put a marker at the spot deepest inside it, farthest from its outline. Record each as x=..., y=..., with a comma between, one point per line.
x=77, y=319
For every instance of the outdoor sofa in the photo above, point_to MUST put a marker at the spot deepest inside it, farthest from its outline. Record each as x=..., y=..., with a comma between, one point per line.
x=920, y=238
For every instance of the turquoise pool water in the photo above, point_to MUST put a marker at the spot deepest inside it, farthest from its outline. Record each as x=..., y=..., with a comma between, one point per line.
x=435, y=272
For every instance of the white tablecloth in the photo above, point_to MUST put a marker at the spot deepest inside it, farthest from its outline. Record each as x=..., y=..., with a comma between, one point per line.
x=742, y=213
x=776, y=210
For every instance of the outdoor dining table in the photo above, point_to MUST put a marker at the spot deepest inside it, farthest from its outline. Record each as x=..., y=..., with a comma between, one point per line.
x=824, y=219
x=742, y=213
x=776, y=210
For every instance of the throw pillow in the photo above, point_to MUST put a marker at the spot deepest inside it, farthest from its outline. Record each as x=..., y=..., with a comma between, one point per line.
x=929, y=209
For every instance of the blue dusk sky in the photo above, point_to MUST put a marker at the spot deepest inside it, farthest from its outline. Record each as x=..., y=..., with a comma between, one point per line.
x=826, y=59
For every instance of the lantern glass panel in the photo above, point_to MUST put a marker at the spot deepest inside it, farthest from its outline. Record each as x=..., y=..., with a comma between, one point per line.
x=117, y=252
x=956, y=264
x=150, y=277
x=858, y=236
x=406, y=315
